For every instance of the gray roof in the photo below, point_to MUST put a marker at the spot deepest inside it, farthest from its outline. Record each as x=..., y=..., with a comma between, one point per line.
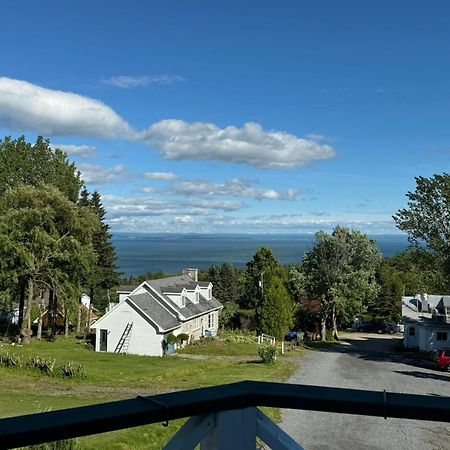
x=191, y=309
x=202, y=307
x=180, y=280
x=443, y=303
x=155, y=311
x=204, y=283
x=127, y=288
x=172, y=289
x=427, y=322
x=160, y=314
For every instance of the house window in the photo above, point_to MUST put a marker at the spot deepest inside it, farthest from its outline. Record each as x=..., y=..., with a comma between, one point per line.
x=441, y=336
x=183, y=301
x=209, y=293
x=412, y=331
x=211, y=320
x=196, y=323
x=197, y=297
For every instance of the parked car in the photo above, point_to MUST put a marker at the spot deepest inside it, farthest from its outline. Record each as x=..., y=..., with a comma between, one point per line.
x=377, y=327
x=434, y=355
x=443, y=359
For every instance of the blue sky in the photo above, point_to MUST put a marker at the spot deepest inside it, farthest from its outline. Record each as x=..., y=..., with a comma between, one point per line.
x=235, y=116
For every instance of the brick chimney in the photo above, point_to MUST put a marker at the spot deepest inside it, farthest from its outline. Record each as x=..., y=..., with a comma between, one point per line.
x=193, y=273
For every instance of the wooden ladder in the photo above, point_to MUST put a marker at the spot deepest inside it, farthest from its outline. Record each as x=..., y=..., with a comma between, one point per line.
x=122, y=345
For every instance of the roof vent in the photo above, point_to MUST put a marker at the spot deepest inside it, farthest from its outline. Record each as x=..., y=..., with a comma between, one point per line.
x=193, y=273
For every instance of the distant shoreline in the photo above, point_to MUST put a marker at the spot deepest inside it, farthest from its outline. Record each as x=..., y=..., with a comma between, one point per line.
x=140, y=253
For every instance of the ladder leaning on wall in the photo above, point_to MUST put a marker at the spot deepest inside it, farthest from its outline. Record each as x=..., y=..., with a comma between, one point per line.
x=122, y=345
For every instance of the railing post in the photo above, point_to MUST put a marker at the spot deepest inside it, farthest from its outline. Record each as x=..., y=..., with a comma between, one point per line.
x=234, y=429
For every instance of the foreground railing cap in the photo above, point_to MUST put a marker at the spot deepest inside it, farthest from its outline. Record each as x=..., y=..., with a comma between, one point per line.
x=86, y=420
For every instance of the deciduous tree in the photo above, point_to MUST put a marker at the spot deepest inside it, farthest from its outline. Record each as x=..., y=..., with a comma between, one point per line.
x=45, y=239
x=338, y=263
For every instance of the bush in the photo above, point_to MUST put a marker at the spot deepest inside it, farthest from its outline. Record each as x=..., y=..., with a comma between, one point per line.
x=42, y=364
x=68, y=370
x=47, y=366
x=9, y=360
x=183, y=337
x=172, y=339
x=268, y=353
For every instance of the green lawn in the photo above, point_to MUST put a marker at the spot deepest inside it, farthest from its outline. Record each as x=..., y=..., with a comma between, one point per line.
x=112, y=377
x=221, y=348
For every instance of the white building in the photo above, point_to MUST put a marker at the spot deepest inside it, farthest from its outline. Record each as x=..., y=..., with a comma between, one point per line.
x=426, y=320
x=148, y=313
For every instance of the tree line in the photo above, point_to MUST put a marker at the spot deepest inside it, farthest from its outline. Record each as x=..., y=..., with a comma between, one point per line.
x=344, y=275
x=54, y=242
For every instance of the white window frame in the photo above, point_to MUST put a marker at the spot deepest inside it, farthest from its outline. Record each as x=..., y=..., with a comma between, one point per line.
x=196, y=323
x=183, y=300
x=211, y=320
x=197, y=296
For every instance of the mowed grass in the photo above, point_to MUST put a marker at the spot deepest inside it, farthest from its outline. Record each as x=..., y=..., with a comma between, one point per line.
x=112, y=377
x=218, y=347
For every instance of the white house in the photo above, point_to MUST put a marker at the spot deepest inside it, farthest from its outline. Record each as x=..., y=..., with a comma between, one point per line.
x=426, y=320
x=146, y=314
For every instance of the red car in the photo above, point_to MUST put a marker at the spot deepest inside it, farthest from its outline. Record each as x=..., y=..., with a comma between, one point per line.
x=443, y=359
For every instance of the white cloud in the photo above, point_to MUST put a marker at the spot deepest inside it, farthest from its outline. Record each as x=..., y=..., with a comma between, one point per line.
x=83, y=151
x=132, y=206
x=26, y=106
x=208, y=204
x=130, y=81
x=93, y=174
x=234, y=187
x=147, y=190
x=251, y=145
x=160, y=176
x=183, y=219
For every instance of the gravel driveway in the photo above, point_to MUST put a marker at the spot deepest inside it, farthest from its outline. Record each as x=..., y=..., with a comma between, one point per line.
x=367, y=362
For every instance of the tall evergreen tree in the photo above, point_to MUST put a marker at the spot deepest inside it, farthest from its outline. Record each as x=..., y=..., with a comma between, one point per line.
x=276, y=310
x=257, y=274
x=34, y=164
x=227, y=282
x=104, y=274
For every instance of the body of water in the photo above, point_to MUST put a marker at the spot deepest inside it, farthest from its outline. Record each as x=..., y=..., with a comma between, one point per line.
x=141, y=253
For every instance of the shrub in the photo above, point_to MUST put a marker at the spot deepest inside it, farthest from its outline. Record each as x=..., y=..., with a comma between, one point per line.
x=9, y=360
x=42, y=364
x=183, y=337
x=172, y=339
x=68, y=370
x=268, y=353
x=47, y=366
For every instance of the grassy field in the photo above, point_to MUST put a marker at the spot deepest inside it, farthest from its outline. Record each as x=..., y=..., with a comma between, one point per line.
x=112, y=377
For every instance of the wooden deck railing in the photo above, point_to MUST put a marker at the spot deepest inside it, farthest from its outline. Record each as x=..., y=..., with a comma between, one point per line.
x=87, y=420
